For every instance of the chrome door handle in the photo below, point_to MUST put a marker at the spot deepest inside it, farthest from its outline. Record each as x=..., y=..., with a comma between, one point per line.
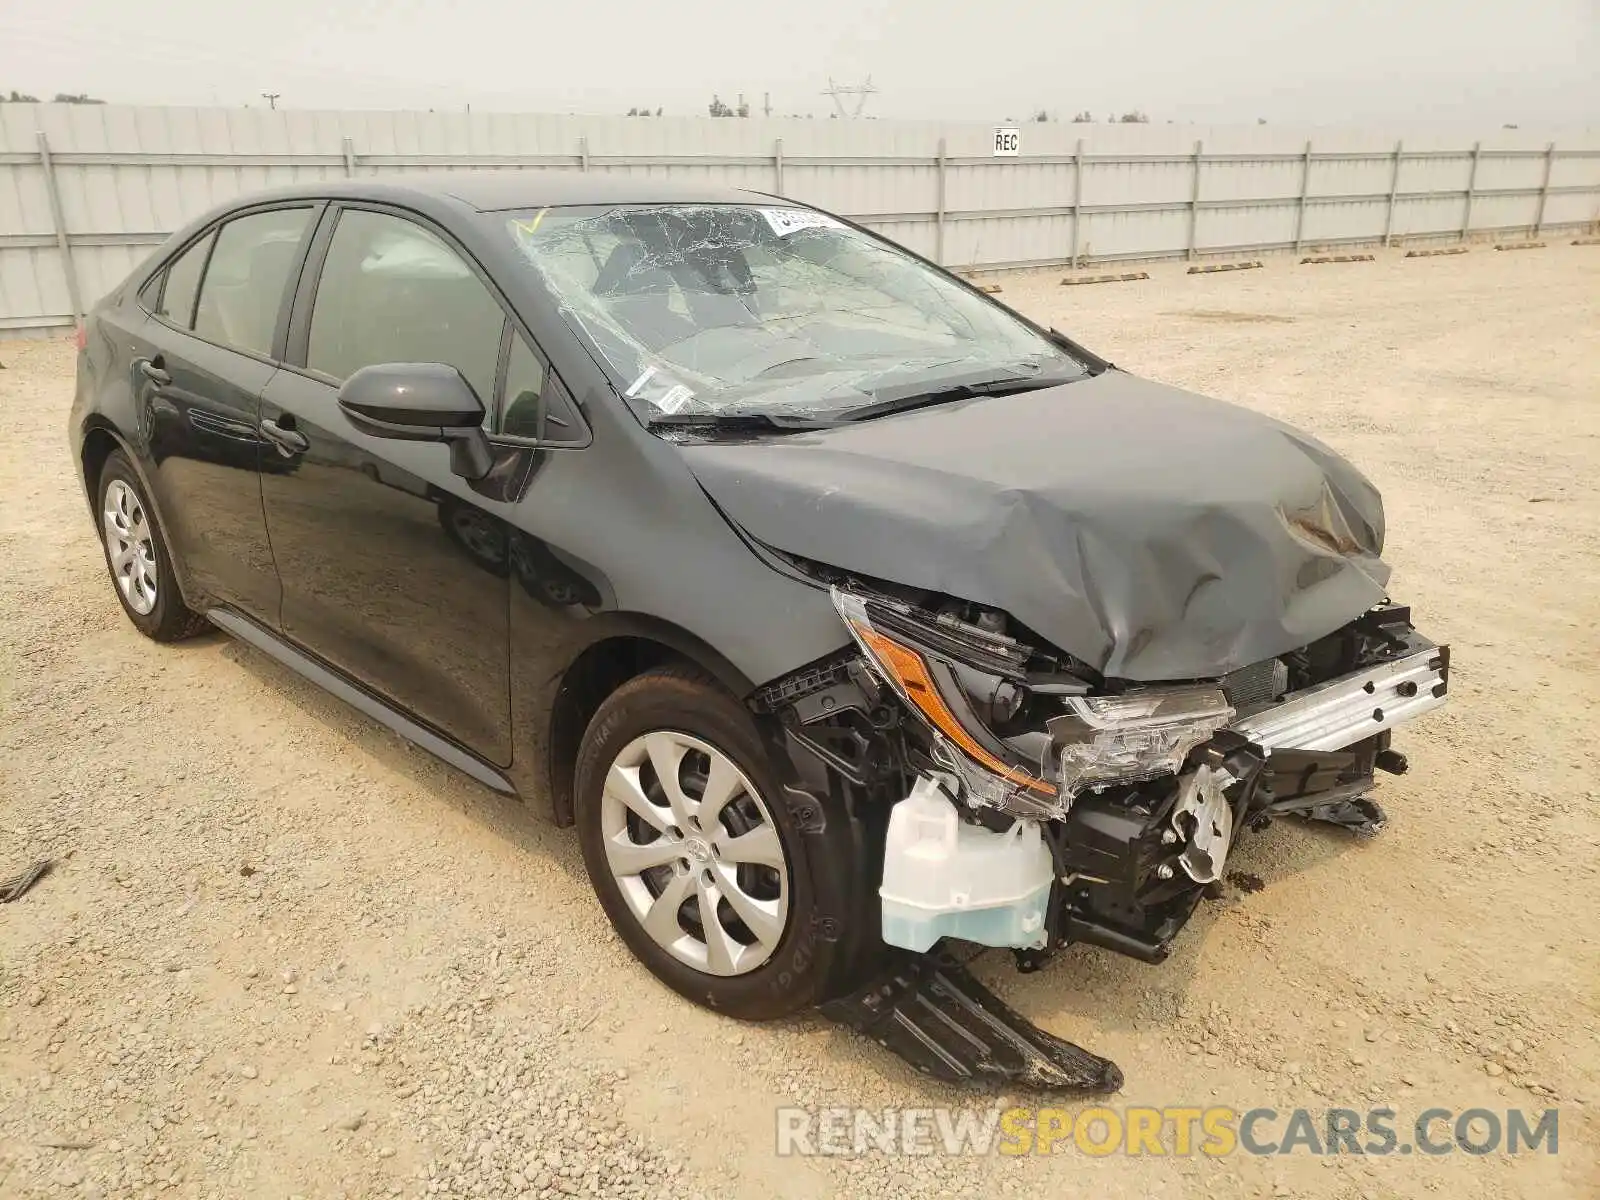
x=288, y=441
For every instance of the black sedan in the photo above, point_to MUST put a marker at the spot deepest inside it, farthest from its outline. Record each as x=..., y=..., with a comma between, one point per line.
x=848, y=614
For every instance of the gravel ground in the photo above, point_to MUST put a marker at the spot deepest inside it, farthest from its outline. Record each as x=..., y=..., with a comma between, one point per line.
x=286, y=954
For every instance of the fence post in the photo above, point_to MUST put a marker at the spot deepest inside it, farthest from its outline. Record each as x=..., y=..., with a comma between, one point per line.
x=1300, y=213
x=1544, y=189
x=777, y=163
x=1194, y=196
x=1077, y=200
x=69, y=269
x=349, y=159
x=1394, y=190
x=938, y=242
x=1472, y=185
x=583, y=153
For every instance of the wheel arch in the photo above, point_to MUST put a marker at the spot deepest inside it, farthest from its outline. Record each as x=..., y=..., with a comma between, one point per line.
x=101, y=439
x=100, y=442
x=628, y=646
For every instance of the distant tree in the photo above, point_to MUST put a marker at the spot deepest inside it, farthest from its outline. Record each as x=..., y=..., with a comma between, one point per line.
x=1133, y=118
x=718, y=109
x=1041, y=116
x=1261, y=120
x=1084, y=118
x=658, y=110
x=17, y=97
x=1508, y=127
x=76, y=98
x=743, y=110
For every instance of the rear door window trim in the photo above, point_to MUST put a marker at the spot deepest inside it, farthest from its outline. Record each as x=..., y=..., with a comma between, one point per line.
x=213, y=230
x=164, y=272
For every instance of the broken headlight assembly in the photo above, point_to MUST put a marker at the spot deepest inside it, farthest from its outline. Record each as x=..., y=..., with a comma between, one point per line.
x=1104, y=740
x=1017, y=743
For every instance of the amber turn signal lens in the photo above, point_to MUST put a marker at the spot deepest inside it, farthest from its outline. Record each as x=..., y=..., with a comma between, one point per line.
x=910, y=672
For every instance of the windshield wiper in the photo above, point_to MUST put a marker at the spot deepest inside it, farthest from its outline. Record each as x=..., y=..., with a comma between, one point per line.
x=906, y=401
x=736, y=421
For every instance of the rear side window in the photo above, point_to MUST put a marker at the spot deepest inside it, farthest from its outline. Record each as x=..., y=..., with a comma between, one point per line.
x=176, y=302
x=391, y=291
x=244, y=283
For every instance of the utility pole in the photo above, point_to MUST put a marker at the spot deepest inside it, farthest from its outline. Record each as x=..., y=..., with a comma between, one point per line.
x=766, y=103
x=271, y=98
x=860, y=91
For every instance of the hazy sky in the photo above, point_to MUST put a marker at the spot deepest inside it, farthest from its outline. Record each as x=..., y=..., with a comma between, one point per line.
x=1290, y=61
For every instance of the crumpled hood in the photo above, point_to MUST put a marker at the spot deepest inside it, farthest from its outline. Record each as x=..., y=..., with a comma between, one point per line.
x=1150, y=532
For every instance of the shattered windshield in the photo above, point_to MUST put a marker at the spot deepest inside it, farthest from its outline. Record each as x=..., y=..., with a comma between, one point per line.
x=745, y=311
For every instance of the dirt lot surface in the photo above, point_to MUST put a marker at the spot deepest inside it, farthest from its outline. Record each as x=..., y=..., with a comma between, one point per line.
x=285, y=954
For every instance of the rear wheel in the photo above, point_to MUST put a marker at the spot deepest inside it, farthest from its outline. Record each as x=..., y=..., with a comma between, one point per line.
x=691, y=850
x=138, y=559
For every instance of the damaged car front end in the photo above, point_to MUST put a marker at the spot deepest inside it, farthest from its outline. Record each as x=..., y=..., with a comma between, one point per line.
x=1045, y=805
x=1138, y=791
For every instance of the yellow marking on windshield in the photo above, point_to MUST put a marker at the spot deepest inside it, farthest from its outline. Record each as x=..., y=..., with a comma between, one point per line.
x=530, y=227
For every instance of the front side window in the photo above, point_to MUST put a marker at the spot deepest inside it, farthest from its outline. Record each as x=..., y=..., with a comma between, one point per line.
x=244, y=284
x=730, y=310
x=391, y=291
x=524, y=385
x=177, y=297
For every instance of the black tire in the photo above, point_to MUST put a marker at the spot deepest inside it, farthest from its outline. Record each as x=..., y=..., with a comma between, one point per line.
x=169, y=620
x=683, y=699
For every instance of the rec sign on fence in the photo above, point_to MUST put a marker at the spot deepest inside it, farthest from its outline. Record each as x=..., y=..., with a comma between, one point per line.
x=1007, y=142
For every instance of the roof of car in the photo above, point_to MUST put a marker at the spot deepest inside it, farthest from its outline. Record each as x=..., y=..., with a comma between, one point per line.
x=493, y=191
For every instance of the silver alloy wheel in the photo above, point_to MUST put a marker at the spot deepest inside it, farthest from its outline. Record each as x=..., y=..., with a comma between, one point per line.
x=130, y=547
x=694, y=849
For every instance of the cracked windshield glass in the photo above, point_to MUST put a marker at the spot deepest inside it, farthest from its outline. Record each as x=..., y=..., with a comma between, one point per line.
x=710, y=312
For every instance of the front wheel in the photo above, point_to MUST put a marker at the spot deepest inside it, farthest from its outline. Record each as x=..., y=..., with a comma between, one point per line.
x=699, y=865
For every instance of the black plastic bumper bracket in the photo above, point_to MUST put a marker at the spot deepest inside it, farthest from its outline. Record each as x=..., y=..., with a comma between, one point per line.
x=931, y=1011
x=1361, y=816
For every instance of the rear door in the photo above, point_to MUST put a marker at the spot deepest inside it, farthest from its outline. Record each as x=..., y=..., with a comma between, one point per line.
x=217, y=313
x=391, y=571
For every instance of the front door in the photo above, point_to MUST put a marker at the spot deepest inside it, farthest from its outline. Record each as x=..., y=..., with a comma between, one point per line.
x=391, y=569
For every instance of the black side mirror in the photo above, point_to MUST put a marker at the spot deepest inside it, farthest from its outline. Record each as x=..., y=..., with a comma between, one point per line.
x=420, y=402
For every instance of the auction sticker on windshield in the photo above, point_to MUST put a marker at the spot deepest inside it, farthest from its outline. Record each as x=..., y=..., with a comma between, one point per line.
x=675, y=398
x=785, y=221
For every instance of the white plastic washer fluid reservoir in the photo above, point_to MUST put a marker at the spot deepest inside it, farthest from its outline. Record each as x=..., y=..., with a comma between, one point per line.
x=944, y=877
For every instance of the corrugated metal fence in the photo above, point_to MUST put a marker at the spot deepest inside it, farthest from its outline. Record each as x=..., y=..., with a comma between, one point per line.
x=85, y=191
